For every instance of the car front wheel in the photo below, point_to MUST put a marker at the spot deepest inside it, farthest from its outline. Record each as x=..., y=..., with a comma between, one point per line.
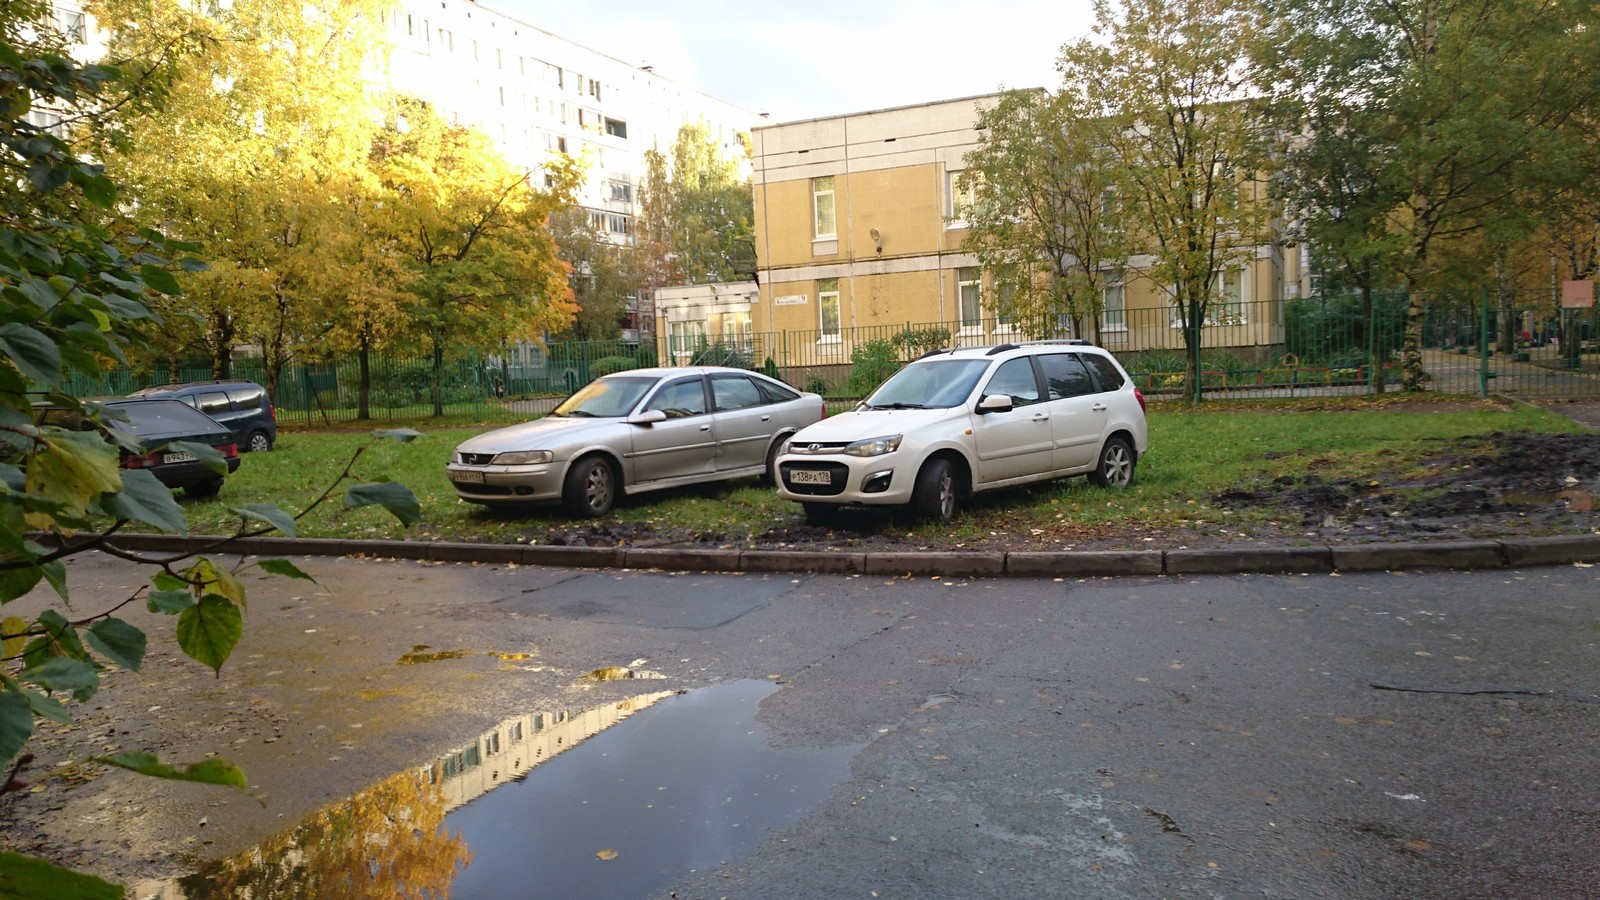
x=935, y=494
x=590, y=489
x=1115, y=468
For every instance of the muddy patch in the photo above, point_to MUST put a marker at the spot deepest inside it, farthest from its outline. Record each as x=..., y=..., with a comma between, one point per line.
x=1495, y=484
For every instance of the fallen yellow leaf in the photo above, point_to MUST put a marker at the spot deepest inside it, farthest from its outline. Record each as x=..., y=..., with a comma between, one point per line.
x=607, y=854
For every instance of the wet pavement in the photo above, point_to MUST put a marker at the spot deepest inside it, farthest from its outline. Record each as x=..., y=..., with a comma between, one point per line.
x=1382, y=734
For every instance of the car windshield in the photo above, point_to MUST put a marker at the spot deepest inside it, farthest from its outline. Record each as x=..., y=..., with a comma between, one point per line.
x=605, y=398
x=931, y=384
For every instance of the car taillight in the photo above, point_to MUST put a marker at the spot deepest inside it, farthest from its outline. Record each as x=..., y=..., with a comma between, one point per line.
x=228, y=450
x=1139, y=396
x=147, y=461
x=272, y=411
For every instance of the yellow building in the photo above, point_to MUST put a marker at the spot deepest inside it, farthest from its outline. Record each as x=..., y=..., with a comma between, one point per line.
x=859, y=237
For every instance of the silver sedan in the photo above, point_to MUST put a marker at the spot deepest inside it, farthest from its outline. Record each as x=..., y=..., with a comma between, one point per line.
x=632, y=432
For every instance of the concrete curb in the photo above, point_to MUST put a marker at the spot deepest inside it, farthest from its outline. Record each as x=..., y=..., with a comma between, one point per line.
x=1318, y=558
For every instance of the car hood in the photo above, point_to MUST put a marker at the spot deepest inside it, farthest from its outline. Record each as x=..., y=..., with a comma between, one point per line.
x=548, y=433
x=859, y=425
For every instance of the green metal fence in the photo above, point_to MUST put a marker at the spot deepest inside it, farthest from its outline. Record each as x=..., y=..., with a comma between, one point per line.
x=1523, y=346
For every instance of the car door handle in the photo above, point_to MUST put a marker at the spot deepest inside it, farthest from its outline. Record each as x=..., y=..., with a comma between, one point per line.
x=766, y=418
x=1098, y=407
x=1040, y=417
x=705, y=427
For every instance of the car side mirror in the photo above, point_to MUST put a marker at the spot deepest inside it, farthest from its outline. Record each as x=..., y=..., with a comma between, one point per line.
x=995, y=403
x=648, y=417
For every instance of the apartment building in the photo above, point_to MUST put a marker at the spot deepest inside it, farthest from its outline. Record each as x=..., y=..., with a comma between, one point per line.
x=537, y=94
x=859, y=236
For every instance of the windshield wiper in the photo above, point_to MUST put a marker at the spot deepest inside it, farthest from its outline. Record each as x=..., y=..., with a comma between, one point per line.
x=578, y=414
x=898, y=405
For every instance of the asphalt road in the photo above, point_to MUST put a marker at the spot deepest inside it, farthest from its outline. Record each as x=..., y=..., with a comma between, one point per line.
x=1345, y=736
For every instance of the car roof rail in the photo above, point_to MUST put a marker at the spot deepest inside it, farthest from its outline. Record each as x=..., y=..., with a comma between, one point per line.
x=1001, y=348
x=1074, y=342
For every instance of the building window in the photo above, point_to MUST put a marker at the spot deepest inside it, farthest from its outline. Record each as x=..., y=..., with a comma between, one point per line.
x=736, y=329
x=621, y=190
x=822, y=207
x=684, y=338
x=969, y=298
x=616, y=128
x=1113, y=303
x=1228, y=307
x=619, y=224
x=1005, y=307
x=594, y=88
x=828, y=307
x=958, y=199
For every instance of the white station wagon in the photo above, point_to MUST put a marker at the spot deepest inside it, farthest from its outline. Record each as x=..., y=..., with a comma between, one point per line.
x=956, y=422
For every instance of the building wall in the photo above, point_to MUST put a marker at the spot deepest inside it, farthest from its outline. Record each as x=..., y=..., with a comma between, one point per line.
x=898, y=255
x=893, y=252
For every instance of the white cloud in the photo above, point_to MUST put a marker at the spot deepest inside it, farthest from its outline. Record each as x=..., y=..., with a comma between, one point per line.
x=825, y=57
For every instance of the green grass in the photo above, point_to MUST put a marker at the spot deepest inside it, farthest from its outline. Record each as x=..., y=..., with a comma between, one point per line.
x=1194, y=453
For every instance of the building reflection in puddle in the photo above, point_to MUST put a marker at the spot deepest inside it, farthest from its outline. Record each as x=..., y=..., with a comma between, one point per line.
x=688, y=785
x=392, y=839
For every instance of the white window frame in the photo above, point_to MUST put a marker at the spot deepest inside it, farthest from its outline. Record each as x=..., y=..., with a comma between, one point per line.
x=969, y=279
x=1114, y=302
x=685, y=337
x=828, y=298
x=1005, y=323
x=736, y=330
x=822, y=189
x=957, y=201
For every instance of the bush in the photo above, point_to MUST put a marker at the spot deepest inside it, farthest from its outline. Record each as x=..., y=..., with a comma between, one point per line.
x=870, y=363
x=607, y=365
x=915, y=342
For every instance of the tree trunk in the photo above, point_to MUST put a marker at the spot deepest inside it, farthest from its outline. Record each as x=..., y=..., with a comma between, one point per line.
x=364, y=382
x=1413, y=377
x=1375, y=355
x=438, y=380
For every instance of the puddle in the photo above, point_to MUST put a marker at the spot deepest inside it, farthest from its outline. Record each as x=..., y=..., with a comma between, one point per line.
x=686, y=783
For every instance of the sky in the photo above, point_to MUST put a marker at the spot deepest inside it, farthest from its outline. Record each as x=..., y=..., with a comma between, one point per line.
x=825, y=57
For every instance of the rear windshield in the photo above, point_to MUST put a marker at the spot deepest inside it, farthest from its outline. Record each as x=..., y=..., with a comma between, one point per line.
x=165, y=417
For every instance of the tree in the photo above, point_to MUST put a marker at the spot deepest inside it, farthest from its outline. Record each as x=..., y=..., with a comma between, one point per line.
x=1041, y=221
x=474, y=232
x=1467, y=106
x=602, y=275
x=77, y=280
x=258, y=152
x=696, y=220
x=1190, y=143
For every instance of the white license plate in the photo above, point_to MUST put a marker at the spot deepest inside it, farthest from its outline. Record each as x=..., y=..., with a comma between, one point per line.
x=178, y=457
x=809, y=476
x=466, y=477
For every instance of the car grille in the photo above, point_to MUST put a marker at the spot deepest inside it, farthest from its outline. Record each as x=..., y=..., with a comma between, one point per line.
x=838, y=474
x=814, y=447
x=476, y=459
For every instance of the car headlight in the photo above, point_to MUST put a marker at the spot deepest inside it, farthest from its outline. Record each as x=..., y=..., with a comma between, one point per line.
x=524, y=457
x=877, y=446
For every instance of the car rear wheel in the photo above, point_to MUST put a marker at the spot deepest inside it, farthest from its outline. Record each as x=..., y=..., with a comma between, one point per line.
x=1115, y=468
x=935, y=493
x=205, y=490
x=259, y=441
x=590, y=489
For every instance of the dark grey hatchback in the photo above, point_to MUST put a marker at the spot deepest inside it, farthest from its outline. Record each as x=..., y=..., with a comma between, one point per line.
x=155, y=425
